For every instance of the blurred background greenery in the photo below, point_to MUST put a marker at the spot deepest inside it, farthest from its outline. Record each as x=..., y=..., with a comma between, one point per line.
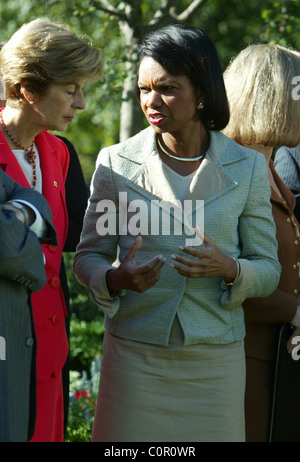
x=116, y=27
x=113, y=114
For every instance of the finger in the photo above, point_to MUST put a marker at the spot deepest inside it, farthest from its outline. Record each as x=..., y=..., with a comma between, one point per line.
x=144, y=281
x=145, y=284
x=185, y=260
x=189, y=272
x=201, y=234
x=195, y=270
x=199, y=253
x=154, y=264
x=135, y=247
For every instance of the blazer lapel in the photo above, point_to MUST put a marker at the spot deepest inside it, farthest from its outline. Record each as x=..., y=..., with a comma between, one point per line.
x=149, y=178
x=213, y=178
x=210, y=182
x=52, y=179
x=152, y=182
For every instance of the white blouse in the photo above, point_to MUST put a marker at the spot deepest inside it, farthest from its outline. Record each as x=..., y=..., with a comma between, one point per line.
x=27, y=167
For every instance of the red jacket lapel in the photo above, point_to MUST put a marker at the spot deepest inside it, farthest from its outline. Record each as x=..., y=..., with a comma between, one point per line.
x=50, y=172
x=10, y=165
x=53, y=172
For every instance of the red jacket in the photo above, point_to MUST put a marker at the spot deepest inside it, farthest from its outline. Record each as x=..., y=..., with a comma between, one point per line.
x=48, y=304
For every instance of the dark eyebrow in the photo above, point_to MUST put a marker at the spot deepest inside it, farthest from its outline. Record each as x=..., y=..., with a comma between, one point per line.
x=162, y=83
x=168, y=82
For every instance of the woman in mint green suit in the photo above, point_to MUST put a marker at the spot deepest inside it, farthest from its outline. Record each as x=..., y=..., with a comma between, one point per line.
x=178, y=232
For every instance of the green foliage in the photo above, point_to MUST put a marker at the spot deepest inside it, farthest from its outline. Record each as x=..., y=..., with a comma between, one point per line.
x=86, y=323
x=86, y=336
x=79, y=433
x=81, y=416
x=282, y=23
x=82, y=406
x=231, y=24
x=85, y=343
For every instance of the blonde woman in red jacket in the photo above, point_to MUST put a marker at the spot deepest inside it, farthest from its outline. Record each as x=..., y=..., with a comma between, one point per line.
x=44, y=69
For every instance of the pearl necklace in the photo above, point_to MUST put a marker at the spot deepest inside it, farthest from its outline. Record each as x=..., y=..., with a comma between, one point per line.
x=182, y=159
x=29, y=152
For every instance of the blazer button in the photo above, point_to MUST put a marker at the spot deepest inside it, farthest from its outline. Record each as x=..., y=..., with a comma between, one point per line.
x=29, y=341
x=52, y=248
x=55, y=282
x=296, y=291
x=55, y=319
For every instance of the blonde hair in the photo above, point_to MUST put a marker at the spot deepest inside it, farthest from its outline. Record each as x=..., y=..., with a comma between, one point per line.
x=259, y=89
x=42, y=52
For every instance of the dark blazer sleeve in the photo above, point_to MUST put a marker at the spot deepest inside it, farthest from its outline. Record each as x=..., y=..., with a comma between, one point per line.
x=36, y=199
x=287, y=165
x=21, y=257
x=76, y=198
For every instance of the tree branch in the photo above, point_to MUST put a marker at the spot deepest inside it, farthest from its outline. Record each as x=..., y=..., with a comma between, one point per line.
x=106, y=7
x=187, y=12
x=161, y=12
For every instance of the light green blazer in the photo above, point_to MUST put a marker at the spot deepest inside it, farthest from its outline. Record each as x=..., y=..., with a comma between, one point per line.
x=232, y=181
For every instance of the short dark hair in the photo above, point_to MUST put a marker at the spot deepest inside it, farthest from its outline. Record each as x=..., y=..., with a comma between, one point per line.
x=188, y=51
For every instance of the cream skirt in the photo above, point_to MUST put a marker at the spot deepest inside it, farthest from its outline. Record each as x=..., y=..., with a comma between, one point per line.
x=149, y=393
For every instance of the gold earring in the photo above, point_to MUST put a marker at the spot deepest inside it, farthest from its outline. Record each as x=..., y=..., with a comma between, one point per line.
x=30, y=102
x=200, y=106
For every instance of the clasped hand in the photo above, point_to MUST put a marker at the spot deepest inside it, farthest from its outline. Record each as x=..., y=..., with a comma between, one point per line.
x=208, y=261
